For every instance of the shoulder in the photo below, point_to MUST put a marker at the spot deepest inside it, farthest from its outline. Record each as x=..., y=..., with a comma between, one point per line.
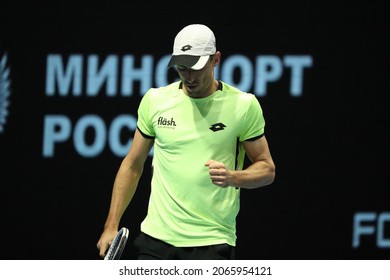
x=239, y=94
x=172, y=88
x=161, y=97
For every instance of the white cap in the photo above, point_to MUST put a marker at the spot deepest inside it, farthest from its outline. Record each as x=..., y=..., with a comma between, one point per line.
x=193, y=46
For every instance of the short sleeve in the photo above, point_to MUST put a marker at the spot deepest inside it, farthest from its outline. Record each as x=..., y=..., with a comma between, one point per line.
x=144, y=122
x=253, y=123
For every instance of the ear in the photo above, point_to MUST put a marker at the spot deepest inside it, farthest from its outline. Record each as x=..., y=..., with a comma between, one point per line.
x=216, y=58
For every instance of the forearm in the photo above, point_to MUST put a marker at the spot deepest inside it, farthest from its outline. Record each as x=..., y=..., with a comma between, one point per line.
x=258, y=174
x=125, y=185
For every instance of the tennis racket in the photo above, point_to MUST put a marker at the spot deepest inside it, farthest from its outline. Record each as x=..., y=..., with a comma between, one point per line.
x=117, y=245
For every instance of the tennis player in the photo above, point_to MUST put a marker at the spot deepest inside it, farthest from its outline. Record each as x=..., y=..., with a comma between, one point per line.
x=200, y=128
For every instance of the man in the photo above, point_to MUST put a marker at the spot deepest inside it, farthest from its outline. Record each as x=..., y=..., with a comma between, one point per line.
x=201, y=129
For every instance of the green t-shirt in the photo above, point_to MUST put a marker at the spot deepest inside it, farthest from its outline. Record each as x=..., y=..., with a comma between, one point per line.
x=185, y=208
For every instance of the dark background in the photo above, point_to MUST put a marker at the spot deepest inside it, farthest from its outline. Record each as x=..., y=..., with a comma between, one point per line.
x=330, y=145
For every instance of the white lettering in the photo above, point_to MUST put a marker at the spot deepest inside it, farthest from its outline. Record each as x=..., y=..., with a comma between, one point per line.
x=117, y=125
x=373, y=222
x=63, y=78
x=382, y=242
x=79, y=135
x=91, y=135
x=107, y=73
x=241, y=63
x=237, y=70
x=56, y=128
x=130, y=74
x=269, y=69
x=297, y=63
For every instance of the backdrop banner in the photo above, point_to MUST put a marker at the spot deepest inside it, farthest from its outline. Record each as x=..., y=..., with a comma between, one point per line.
x=72, y=75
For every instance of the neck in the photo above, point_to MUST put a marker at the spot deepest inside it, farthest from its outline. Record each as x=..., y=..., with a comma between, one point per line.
x=213, y=87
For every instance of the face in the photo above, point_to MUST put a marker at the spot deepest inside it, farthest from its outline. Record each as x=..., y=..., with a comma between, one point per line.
x=199, y=83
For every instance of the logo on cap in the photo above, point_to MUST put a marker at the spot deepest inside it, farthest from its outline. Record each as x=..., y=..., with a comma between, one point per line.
x=186, y=48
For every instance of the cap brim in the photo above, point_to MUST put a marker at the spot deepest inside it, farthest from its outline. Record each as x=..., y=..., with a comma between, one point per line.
x=189, y=61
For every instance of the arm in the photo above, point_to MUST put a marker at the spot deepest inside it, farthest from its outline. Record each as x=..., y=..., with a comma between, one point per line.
x=260, y=173
x=125, y=185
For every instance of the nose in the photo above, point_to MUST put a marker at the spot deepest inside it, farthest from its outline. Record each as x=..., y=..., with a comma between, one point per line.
x=189, y=75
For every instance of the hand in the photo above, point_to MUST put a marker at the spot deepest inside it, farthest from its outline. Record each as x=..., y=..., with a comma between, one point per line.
x=105, y=241
x=219, y=174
